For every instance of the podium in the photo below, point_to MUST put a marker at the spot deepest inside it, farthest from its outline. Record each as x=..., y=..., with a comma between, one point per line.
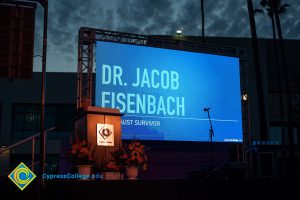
x=101, y=127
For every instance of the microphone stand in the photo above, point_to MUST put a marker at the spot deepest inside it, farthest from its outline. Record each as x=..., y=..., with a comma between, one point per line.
x=211, y=135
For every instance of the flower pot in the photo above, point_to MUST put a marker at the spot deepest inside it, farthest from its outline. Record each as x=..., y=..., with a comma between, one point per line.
x=84, y=170
x=112, y=176
x=132, y=172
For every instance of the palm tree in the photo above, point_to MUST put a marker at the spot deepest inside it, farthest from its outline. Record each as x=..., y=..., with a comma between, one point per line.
x=270, y=13
x=202, y=18
x=260, y=94
x=276, y=9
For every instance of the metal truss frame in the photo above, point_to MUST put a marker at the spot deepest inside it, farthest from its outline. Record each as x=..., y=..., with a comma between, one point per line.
x=88, y=36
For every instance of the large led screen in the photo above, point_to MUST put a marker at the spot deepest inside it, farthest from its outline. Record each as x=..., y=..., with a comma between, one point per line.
x=163, y=93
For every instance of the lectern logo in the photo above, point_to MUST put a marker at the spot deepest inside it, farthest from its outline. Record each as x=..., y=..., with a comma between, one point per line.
x=105, y=135
x=22, y=176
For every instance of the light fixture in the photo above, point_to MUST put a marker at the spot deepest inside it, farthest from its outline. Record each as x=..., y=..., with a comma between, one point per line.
x=178, y=31
x=245, y=97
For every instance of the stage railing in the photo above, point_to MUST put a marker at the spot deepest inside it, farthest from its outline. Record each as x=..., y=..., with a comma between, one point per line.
x=31, y=138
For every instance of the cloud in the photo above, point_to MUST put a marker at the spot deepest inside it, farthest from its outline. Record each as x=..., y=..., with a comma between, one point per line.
x=146, y=17
x=150, y=17
x=65, y=19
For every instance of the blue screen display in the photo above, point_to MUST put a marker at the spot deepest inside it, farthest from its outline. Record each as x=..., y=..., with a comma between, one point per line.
x=163, y=92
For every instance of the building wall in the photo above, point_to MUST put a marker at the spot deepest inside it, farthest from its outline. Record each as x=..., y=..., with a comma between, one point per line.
x=270, y=82
x=61, y=89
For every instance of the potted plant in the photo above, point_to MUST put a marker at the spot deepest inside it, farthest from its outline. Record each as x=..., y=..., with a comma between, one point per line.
x=131, y=158
x=111, y=171
x=83, y=156
x=137, y=159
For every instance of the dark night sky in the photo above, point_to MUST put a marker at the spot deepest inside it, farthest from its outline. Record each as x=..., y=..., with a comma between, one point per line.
x=157, y=17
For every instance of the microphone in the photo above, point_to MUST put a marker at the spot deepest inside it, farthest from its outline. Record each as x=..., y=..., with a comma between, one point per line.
x=206, y=109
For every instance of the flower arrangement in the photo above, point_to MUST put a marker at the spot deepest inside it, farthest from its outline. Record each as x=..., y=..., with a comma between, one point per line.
x=136, y=155
x=131, y=155
x=111, y=167
x=119, y=160
x=82, y=153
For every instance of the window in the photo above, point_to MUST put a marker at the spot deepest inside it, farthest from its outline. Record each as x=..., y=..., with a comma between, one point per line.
x=275, y=136
x=26, y=119
x=61, y=116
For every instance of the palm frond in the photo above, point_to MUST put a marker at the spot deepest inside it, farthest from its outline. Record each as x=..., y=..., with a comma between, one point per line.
x=270, y=12
x=258, y=11
x=263, y=3
x=283, y=9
